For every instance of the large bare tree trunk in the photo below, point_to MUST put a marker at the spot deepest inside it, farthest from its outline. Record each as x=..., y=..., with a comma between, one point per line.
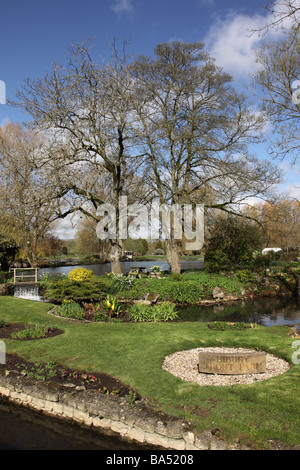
x=173, y=256
x=115, y=254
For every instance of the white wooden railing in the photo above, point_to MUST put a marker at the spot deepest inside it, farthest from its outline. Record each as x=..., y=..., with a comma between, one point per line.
x=25, y=277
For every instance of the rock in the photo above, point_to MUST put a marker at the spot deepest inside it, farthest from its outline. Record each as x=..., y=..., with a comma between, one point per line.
x=218, y=293
x=143, y=302
x=151, y=297
x=293, y=331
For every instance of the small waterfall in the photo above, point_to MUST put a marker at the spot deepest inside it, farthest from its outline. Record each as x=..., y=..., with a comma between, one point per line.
x=28, y=291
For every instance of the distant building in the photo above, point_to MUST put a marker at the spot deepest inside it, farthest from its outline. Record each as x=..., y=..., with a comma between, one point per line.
x=128, y=254
x=265, y=251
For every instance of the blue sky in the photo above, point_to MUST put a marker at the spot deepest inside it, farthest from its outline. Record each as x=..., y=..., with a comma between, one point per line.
x=35, y=33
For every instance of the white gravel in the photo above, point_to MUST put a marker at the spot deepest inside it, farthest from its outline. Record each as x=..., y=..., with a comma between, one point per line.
x=184, y=364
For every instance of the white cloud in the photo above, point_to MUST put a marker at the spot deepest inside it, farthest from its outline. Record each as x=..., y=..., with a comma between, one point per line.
x=122, y=6
x=66, y=228
x=233, y=41
x=231, y=44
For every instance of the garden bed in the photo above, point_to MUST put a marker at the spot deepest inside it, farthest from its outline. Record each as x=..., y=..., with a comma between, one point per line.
x=7, y=331
x=71, y=378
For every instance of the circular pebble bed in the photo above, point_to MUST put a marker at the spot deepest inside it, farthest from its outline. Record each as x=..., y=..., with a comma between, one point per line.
x=184, y=364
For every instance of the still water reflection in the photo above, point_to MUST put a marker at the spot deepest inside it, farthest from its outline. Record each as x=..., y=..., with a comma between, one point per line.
x=23, y=429
x=266, y=311
x=100, y=269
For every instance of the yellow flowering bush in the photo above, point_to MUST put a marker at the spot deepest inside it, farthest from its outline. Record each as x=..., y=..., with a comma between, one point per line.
x=80, y=274
x=156, y=269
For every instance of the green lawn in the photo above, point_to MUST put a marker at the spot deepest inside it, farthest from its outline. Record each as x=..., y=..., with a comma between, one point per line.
x=134, y=353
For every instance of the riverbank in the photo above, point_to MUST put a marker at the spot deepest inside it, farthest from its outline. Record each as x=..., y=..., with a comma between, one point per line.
x=190, y=287
x=109, y=415
x=114, y=416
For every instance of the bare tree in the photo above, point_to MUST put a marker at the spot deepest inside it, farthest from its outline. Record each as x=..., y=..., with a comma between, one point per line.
x=277, y=86
x=194, y=131
x=283, y=15
x=27, y=210
x=86, y=106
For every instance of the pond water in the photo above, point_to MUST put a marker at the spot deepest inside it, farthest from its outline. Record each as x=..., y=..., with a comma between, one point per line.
x=267, y=311
x=24, y=429
x=100, y=269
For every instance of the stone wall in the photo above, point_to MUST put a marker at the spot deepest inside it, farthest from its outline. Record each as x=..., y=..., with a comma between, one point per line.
x=109, y=415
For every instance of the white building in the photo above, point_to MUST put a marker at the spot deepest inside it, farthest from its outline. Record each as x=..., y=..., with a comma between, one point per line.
x=265, y=251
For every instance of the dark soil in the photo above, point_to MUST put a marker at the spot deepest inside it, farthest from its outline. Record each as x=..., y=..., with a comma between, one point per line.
x=57, y=373
x=7, y=329
x=65, y=376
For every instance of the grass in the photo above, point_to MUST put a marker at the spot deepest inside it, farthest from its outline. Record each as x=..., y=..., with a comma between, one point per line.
x=134, y=353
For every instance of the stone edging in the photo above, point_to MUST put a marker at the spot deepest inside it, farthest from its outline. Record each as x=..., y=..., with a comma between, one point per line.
x=109, y=415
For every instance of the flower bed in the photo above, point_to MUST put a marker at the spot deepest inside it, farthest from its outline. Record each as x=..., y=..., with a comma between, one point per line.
x=70, y=378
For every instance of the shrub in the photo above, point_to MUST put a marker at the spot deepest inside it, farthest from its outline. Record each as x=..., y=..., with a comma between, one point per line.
x=66, y=289
x=112, y=305
x=145, y=313
x=209, y=281
x=80, y=274
x=261, y=261
x=190, y=289
x=37, y=331
x=70, y=309
x=94, y=312
x=164, y=311
x=187, y=291
x=139, y=313
x=169, y=290
x=244, y=276
x=216, y=261
x=120, y=282
x=3, y=277
x=176, y=277
x=156, y=269
x=100, y=316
